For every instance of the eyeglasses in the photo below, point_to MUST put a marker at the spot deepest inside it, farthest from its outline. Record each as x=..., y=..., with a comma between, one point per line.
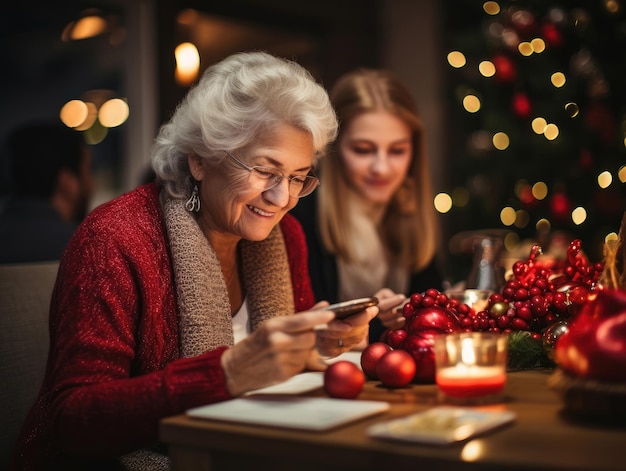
x=266, y=178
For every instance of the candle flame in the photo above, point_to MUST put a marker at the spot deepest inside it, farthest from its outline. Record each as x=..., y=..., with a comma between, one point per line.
x=467, y=352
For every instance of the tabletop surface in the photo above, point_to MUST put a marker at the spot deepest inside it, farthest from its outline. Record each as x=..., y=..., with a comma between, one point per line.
x=542, y=437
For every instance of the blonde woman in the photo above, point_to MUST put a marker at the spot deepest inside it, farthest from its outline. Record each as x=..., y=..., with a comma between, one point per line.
x=371, y=228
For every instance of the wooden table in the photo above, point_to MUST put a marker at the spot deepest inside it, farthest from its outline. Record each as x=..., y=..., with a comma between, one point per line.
x=541, y=438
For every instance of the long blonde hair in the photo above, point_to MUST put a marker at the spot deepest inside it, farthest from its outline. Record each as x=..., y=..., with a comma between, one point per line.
x=410, y=227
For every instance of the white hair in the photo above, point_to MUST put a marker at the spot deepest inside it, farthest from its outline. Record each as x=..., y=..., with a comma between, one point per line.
x=236, y=102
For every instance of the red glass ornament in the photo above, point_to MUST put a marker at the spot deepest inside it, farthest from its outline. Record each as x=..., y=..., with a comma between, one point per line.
x=594, y=346
x=370, y=356
x=343, y=380
x=396, y=368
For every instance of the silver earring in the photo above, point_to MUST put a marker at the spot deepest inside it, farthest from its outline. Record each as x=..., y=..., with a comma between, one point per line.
x=193, y=203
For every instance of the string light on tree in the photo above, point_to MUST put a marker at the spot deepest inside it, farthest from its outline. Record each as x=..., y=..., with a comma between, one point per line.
x=579, y=215
x=548, y=93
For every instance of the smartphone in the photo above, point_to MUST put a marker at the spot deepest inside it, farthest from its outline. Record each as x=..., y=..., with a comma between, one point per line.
x=347, y=308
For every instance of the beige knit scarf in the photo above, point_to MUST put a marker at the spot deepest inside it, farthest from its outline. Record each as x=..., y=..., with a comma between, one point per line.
x=205, y=312
x=205, y=320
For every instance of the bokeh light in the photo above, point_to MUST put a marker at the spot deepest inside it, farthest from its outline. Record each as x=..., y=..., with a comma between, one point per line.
x=525, y=48
x=540, y=190
x=538, y=45
x=443, y=202
x=551, y=132
x=501, y=141
x=74, y=113
x=511, y=241
x=522, y=218
x=507, y=216
x=113, y=112
x=579, y=215
x=543, y=225
x=86, y=27
x=456, y=59
x=487, y=69
x=92, y=115
x=605, y=179
x=491, y=8
x=187, y=63
x=612, y=6
x=539, y=125
x=471, y=103
x=558, y=79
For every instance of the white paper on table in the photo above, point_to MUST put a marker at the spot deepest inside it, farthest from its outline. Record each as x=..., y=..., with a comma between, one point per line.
x=297, y=384
x=304, y=413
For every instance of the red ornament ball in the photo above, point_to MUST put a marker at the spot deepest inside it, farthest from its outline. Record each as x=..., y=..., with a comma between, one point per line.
x=343, y=380
x=370, y=356
x=396, y=368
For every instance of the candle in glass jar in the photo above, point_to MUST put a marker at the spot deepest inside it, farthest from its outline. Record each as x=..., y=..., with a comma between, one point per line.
x=470, y=380
x=470, y=365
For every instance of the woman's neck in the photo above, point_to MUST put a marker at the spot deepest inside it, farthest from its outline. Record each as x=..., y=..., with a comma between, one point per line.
x=372, y=211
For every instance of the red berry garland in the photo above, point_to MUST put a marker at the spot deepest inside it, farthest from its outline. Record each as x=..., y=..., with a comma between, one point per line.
x=531, y=301
x=536, y=297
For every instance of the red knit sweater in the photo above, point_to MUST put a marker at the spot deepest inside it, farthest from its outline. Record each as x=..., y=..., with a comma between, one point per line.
x=113, y=369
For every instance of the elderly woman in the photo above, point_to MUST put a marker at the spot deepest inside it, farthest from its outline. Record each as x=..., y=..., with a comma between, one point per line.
x=182, y=293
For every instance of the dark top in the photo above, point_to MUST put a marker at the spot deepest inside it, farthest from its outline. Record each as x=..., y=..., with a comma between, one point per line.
x=323, y=265
x=32, y=231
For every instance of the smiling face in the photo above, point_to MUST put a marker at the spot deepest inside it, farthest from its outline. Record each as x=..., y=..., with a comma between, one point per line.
x=231, y=209
x=376, y=150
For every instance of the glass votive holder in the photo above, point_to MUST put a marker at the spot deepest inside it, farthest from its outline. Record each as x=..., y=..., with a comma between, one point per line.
x=470, y=367
x=474, y=298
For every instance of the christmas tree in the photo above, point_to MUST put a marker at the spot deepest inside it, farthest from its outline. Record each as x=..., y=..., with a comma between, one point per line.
x=537, y=92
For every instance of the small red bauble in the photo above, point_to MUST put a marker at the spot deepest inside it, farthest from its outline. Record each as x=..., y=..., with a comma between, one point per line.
x=396, y=337
x=343, y=380
x=370, y=356
x=396, y=368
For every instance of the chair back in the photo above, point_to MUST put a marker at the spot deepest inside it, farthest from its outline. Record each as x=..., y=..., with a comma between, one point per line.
x=25, y=292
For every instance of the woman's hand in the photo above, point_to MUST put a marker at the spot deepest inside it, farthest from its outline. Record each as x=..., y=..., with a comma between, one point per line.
x=389, y=315
x=344, y=334
x=280, y=348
